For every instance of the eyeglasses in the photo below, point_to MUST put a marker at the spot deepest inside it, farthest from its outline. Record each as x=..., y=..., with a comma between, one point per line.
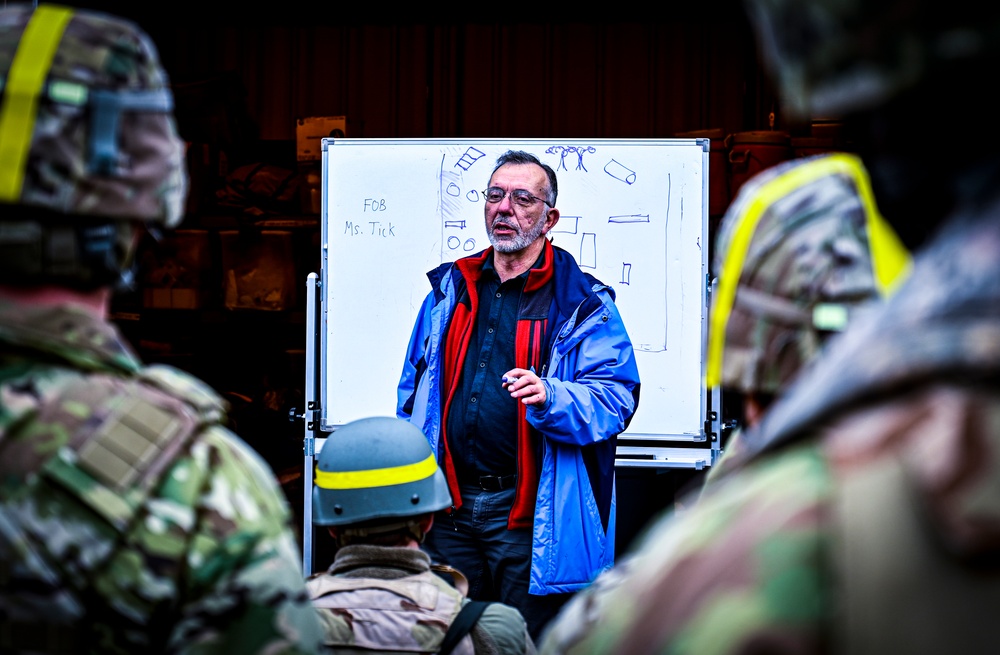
x=519, y=197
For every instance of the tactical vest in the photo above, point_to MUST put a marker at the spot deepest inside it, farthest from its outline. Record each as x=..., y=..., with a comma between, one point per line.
x=409, y=614
x=104, y=442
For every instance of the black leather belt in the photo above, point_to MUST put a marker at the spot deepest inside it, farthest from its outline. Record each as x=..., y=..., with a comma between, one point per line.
x=496, y=482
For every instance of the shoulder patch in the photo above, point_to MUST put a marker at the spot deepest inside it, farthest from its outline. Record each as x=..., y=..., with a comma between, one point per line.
x=122, y=435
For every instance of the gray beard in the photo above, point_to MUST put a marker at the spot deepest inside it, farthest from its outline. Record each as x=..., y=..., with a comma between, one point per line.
x=521, y=240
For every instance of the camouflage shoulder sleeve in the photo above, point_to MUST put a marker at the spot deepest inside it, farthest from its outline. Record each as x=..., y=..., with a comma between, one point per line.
x=745, y=568
x=244, y=591
x=505, y=628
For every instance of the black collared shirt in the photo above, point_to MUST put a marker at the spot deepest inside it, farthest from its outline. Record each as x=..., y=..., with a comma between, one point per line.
x=482, y=420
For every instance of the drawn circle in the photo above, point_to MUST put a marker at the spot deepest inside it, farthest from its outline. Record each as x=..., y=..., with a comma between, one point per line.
x=472, y=196
x=452, y=190
x=453, y=242
x=470, y=245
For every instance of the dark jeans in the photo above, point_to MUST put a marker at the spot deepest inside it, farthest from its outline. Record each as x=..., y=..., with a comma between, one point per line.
x=497, y=561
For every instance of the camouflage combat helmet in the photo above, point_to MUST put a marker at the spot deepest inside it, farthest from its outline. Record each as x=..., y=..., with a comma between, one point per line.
x=376, y=473
x=830, y=58
x=801, y=246
x=88, y=142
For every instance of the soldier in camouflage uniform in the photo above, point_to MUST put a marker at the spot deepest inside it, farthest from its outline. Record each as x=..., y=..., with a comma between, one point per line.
x=801, y=249
x=862, y=515
x=377, y=488
x=131, y=520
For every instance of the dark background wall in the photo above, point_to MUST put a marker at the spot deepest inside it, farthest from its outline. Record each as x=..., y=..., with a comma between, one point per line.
x=618, y=79
x=395, y=73
x=244, y=74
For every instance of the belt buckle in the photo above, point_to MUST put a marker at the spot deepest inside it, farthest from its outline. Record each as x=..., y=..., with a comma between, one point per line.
x=495, y=482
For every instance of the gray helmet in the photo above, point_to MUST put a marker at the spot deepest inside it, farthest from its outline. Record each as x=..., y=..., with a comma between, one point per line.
x=87, y=139
x=377, y=470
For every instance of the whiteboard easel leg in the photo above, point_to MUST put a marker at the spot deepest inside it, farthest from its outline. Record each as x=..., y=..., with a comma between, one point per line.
x=310, y=420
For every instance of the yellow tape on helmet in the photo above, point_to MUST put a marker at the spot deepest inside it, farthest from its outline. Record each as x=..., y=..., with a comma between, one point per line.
x=382, y=477
x=890, y=259
x=24, y=83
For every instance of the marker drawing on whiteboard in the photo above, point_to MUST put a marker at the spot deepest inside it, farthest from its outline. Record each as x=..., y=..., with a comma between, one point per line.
x=620, y=172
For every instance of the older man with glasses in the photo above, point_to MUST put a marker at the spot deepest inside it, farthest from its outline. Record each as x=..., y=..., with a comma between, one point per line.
x=521, y=374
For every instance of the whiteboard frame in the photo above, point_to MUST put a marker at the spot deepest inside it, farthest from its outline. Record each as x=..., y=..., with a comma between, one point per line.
x=636, y=449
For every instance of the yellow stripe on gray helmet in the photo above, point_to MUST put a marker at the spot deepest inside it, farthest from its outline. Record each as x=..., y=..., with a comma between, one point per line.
x=383, y=477
x=19, y=108
x=890, y=259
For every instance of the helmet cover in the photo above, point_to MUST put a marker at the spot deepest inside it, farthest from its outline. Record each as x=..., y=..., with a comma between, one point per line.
x=86, y=124
x=795, y=248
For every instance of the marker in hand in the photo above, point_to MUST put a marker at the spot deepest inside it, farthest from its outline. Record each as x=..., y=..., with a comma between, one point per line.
x=511, y=379
x=530, y=394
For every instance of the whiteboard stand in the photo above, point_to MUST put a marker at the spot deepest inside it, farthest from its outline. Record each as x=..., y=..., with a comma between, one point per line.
x=676, y=458
x=667, y=457
x=310, y=419
x=715, y=424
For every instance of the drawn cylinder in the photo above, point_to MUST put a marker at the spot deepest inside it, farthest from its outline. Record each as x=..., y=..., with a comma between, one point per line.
x=619, y=171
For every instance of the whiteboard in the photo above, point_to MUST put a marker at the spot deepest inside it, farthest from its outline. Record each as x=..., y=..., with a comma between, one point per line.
x=634, y=214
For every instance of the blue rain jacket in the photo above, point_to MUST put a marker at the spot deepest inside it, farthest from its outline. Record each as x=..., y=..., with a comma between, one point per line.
x=592, y=388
